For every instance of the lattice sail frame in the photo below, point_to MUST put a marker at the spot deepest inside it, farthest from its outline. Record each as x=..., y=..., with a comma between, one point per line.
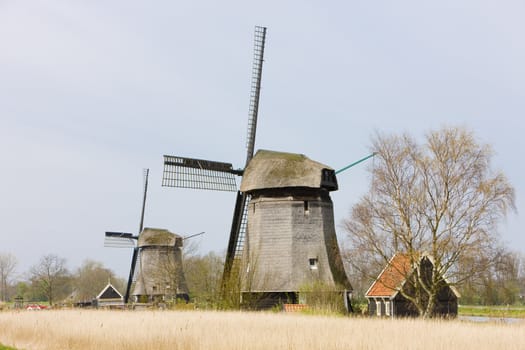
x=209, y=175
x=236, y=248
x=119, y=240
x=255, y=90
x=241, y=238
x=115, y=242
x=198, y=174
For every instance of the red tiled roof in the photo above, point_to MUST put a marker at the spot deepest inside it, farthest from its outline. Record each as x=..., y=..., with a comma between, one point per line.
x=391, y=278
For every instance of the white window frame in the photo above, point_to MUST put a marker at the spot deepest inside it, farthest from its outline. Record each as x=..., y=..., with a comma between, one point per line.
x=388, y=305
x=378, y=307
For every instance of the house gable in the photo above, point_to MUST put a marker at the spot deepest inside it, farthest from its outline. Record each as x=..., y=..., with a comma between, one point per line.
x=109, y=292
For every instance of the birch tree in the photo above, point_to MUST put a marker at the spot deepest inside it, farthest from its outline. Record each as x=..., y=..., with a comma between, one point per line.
x=440, y=198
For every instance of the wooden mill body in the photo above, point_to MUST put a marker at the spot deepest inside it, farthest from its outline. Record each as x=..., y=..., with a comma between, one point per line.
x=291, y=242
x=160, y=275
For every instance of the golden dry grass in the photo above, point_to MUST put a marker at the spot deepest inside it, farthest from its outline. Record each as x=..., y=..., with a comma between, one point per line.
x=96, y=329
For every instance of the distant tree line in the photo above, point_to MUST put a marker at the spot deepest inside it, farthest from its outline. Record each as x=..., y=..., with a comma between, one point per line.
x=50, y=280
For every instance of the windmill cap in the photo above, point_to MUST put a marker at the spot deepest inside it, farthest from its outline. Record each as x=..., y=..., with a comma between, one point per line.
x=271, y=169
x=158, y=237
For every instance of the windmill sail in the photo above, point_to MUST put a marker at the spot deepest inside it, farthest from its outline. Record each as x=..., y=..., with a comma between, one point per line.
x=119, y=240
x=239, y=246
x=129, y=240
x=135, y=256
x=198, y=174
x=210, y=175
x=258, y=54
x=237, y=233
x=146, y=176
x=238, y=230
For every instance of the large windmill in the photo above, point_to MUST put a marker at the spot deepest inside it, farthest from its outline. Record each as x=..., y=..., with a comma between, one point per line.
x=285, y=238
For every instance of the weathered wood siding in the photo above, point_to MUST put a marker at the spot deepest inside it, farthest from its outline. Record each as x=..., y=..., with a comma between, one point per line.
x=160, y=266
x=291, y=242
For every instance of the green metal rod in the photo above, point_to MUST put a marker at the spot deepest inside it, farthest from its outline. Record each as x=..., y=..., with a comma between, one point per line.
x=355, y=163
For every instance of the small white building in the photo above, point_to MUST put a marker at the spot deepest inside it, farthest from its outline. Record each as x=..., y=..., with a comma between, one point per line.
x=109, y=297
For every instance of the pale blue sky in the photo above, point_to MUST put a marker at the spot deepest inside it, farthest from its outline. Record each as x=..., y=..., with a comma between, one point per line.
x=91, y=92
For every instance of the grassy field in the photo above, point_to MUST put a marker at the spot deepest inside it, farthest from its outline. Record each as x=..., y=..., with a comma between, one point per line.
x=2, y=347
x=96, y=329
x=493, y=311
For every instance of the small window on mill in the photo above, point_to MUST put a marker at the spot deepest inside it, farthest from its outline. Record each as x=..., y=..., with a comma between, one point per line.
x=313, y=263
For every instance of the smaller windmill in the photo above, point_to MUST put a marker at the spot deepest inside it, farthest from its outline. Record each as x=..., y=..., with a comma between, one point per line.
x=158, y=253
x=160, y=274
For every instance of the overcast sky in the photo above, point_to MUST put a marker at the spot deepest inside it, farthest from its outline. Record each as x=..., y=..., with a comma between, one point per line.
x=92, y=92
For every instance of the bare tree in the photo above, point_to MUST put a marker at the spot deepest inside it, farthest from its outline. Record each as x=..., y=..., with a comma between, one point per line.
x=203, y=274
x=361, y=271
x=50, y=275
x=7, y=268
x=501, y=283
x=440, y=198
x=91, y=277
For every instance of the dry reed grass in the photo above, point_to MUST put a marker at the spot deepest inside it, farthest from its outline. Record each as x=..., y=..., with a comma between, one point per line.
x=96, y=329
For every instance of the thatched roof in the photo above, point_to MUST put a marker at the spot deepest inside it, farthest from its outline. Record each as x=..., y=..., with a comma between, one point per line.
x=158, y=237
x=270, y=169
